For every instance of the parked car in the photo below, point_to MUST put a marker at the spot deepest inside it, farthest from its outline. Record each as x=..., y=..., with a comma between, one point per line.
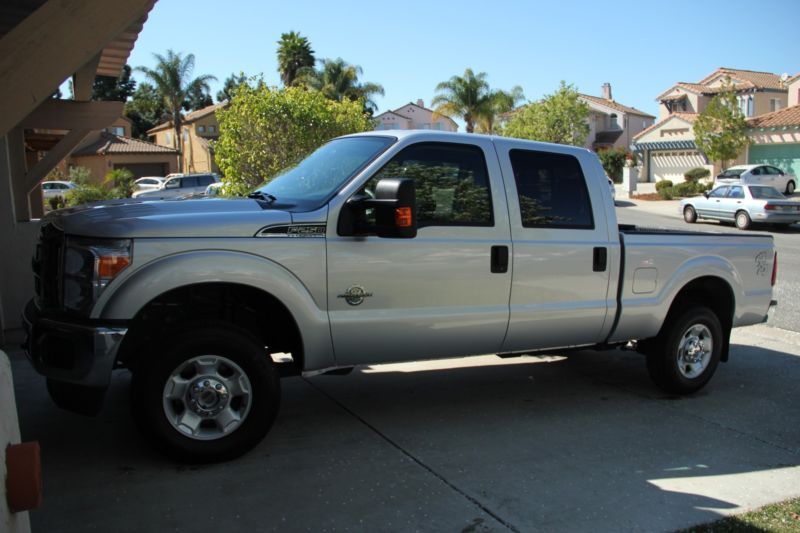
x=742, y=204
x=183, y=185
x=149, y=183
x=759, y=175
x=374, y=249
x=51, y=189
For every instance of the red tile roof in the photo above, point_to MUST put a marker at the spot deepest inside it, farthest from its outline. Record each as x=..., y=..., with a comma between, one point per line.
x=789, y=116
x=758, y=79
x=108, y=143
x=617, y=106
x=190, y=117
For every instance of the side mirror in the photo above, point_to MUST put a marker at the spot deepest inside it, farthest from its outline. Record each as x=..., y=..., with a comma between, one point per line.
x=705, y=193
x=395, y=211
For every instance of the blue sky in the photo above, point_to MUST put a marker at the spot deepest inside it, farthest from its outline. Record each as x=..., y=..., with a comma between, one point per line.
x=640, y=47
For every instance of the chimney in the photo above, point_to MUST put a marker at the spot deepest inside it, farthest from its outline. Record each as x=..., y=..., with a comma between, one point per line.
x=607, y=91
x=420, y=103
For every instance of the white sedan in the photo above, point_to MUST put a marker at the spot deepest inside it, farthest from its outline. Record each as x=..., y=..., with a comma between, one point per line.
x=51, y=189
x=742, y=204
x=759, y=175
x=149, y=183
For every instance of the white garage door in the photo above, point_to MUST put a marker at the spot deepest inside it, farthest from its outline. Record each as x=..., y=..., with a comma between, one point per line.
x=672, y=165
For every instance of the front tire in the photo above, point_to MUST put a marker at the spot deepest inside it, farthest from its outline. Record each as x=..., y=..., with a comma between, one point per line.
x=210, y=395
x=685, y=355
x=689, y=214
x=742, y=220
x=790, y=188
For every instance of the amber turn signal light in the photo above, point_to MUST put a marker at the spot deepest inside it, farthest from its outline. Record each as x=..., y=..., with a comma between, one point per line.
x=108, y=266
x=402, y=217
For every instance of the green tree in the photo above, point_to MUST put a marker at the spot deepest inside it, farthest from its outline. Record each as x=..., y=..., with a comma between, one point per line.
x=173, y=82
x=468, y=97
x=197, y=98
x=560, y=117
x=720, y=131
x=117, y=89
x=613, y=161
x=338, y=80
x=294, y=53
x=120, y=181
x=146, y=110
x=264, y=130
x=501, y=102
x=232, y=83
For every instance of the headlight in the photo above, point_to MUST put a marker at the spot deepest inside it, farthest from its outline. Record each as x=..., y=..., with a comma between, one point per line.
x=89, y=266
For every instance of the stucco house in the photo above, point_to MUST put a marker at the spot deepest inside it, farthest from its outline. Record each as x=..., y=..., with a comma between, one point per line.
x=414, y=117
x=200, y=129
x=107, y=151
x=611, y=124
x=667, y=149
x=775, y=137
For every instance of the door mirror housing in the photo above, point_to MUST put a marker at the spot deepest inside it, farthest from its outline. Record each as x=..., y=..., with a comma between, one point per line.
x=395, y=211
x=705, y=193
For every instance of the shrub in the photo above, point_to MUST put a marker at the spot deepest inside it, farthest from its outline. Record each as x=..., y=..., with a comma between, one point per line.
x=85, y=193
x=121, y=181
x=613, y=160
x=80, y=175
x=666, y=193
x=663, y=184
x=697, y=173
x=56, y=202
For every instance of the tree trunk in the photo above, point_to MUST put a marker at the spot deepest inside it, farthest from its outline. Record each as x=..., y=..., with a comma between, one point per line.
x=178, y=141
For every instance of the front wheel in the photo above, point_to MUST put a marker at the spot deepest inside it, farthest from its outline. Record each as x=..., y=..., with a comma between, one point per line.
x=790, y=188
x=209, y=395
x=689, y=214
x=683, y=358
x=742, y=220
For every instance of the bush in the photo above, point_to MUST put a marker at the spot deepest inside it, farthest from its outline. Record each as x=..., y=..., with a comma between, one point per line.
x=84, y=193
x=121, y=181
x=613, y=160
x=80, y=175
x=663, y=184
x=666, y=193
x=697, y=173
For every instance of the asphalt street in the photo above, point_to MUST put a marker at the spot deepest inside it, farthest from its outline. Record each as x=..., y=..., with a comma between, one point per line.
x=787, y=241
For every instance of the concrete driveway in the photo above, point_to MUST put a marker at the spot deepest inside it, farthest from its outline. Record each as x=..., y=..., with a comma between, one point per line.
x=583, y=443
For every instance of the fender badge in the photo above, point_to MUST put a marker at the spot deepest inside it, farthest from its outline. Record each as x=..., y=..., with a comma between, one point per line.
x=761, y=264
x=355, y=295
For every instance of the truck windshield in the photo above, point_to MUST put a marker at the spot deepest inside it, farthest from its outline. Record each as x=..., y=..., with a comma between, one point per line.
x=314, y=179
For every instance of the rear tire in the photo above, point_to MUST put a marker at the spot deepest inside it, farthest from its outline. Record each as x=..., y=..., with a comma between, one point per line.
x=684, y=356
x=742, y=220
x=211, y=394
x=689, y=214
x=790, y=188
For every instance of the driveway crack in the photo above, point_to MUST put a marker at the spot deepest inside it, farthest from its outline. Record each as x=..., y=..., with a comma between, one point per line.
x=413, y=458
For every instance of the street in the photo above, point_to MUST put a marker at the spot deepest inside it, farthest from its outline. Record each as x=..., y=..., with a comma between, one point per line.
x=787, y=241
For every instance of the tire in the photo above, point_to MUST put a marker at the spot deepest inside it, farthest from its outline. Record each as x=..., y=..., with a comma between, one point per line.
x=790, y=188
x=689, y=214
x=742, y=220
x=209, y=395
x=684, y=356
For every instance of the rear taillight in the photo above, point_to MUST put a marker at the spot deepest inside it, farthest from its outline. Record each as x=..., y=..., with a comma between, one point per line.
x=775, y=269
x=770, y=207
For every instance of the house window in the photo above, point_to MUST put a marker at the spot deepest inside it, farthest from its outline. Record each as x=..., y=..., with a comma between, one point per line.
x=774, y=104
x=201, y=129
x=612, y=122
x=168, y=138
x=185, y=135
x=116, y=130
x=746, y=105
x=212, y=129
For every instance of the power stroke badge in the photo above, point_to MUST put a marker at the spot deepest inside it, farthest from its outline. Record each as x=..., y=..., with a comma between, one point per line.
x=355, y=295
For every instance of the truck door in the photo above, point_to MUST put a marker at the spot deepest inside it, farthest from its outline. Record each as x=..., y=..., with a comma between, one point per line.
x=560, y=292
x=444, y=292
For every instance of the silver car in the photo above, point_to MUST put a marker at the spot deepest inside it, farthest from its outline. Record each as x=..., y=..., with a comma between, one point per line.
x=742, y=204
x=179, y=186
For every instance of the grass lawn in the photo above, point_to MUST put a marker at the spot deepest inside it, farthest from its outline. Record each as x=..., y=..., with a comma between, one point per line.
x=778, y=517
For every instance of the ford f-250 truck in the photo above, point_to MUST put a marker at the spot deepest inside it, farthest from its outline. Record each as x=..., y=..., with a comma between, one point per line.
x=378, y=247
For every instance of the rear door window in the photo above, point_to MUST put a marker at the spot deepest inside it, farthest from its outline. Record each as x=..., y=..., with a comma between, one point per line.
x=552, y=190
x=188, y=181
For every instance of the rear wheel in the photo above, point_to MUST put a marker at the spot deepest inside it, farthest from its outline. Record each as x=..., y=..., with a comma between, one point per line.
x=683, y=358
x=742, y=220
x=790, y=187
x=689, y=214
x=210, y=395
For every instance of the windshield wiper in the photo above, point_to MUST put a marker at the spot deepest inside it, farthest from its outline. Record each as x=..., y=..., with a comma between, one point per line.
x=263, y=196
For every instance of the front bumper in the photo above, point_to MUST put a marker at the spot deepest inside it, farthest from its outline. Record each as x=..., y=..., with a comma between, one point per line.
x=71, y=352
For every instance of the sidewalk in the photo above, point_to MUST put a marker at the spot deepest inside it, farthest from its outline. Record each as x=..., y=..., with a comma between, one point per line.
x=669, y=208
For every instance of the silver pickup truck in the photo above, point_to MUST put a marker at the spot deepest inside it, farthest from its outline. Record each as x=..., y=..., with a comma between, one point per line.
x=378, y=247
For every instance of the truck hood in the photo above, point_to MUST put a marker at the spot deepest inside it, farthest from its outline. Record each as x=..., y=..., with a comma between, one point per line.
x=170, y=218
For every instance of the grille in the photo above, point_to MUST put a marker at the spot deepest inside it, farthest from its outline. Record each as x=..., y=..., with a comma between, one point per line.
x=47, y=264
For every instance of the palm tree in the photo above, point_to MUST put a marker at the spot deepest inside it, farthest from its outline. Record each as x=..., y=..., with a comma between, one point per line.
x=338, y=80
x=173, y=83
x=294, y=53
x=468, y=97
x=501, y=102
